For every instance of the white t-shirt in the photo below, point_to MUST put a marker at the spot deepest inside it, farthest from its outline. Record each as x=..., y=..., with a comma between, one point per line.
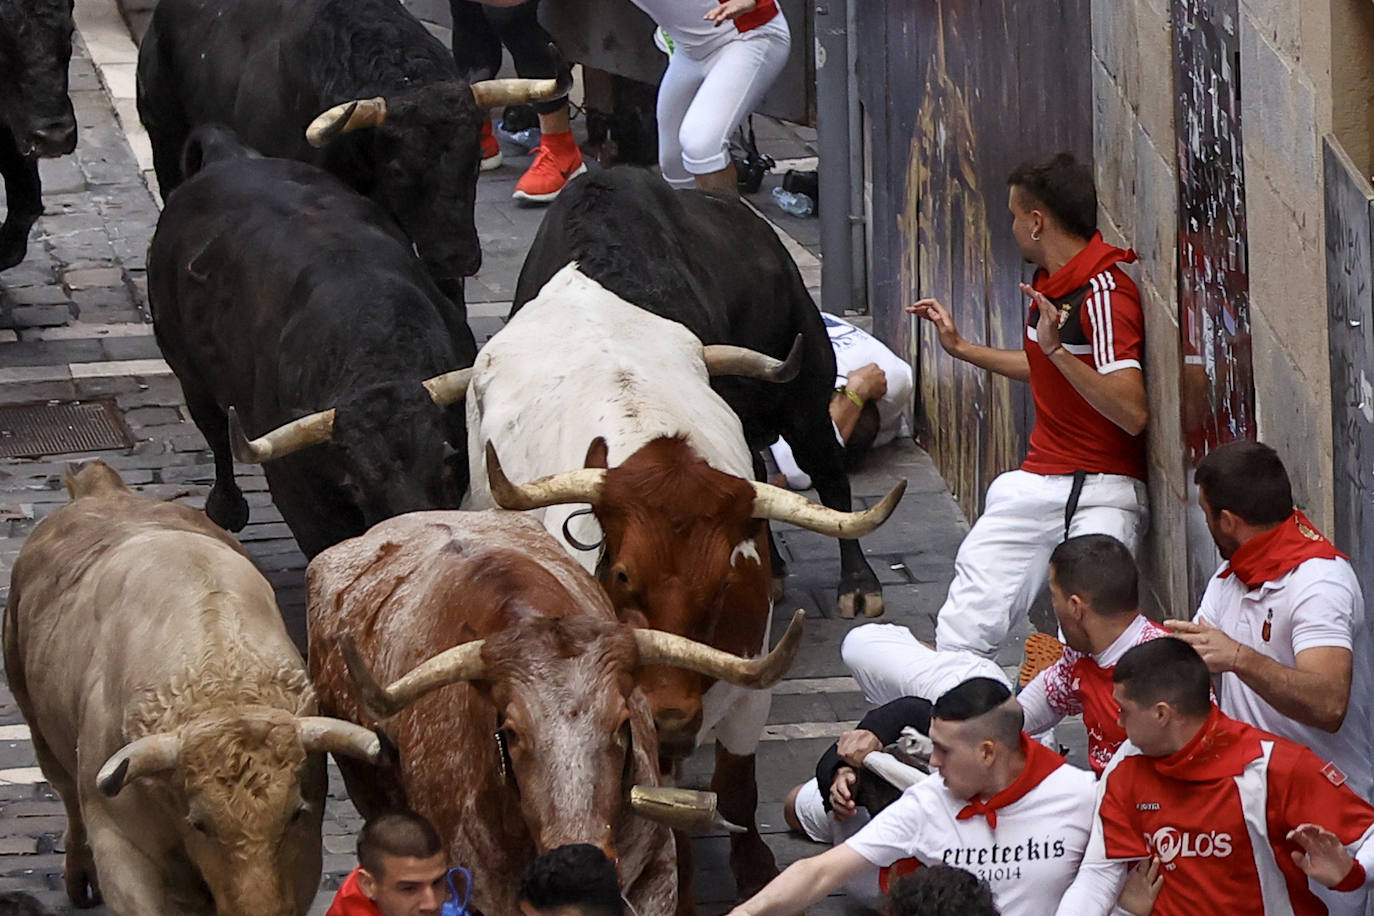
x=854, y=349
x=1317, y=604
x=1028, y=861
x=697, y=38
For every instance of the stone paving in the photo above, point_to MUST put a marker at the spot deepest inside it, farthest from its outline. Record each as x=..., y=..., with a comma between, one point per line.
x=74, y=326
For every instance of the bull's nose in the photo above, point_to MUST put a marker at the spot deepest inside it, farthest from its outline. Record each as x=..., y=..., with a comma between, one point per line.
x=55, y=139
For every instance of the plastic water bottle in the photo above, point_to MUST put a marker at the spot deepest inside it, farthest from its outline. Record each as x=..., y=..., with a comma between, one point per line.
x=797, y=204
x=527, y=138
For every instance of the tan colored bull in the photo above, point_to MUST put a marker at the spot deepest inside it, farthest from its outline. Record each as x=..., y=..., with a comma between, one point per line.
x=169, y=710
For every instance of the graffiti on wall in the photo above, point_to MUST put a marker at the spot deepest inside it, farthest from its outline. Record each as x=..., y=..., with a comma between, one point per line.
x=1217, y=391
x=955, y=104
x=1350, y=314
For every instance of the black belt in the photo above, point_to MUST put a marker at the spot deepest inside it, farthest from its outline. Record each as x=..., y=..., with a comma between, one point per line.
x=1071, y=506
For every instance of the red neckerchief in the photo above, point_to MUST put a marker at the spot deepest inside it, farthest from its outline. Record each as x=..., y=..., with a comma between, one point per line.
x=1082, y=267
x=1040, y=762
x=1220, y=749
x=1280, y=550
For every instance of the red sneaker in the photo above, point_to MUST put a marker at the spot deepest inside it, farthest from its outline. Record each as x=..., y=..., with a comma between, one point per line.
x=491, y=150
x=555, y=164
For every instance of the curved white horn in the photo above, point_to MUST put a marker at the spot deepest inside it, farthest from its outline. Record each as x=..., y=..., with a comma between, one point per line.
x=580, y=486
x=786, y=506
x=448, y=388
x=659, y=648
x=459, y=663
x=311, y=429
x=142, y=757
x=344, y=117
x=723, y=359
x=322, y=734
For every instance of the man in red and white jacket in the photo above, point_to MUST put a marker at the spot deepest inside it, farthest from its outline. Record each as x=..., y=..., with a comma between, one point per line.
x=1239, y=821
x=1084, y=471
x=1004, y=807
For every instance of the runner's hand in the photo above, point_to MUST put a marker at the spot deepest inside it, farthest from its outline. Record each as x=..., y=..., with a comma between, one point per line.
x=1219, y=651
x=1323, y=857
x=868, y=382
x=1142, y=886
x=856, y=744
x=931, y=310
x=729, y=10
x=842, y=793
x=1047, y=329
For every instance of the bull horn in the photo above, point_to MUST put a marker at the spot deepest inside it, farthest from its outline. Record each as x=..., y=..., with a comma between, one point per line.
x=344, y=117
x=448, y=388
x=723, y=359
x=659, y=648
x=311, y=429
x=142, y=757
x=785, y=506
x=460, y=663
x=321, y=734
x=681, y=809
x=496, y=93
x=580, y=486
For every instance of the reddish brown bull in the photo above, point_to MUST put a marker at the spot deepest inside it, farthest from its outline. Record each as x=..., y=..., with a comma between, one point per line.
x=528, y=733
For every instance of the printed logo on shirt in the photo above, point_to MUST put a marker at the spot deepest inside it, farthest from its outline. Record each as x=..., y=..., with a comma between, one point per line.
x=1147, y=806
x=1334, y=774
x=1169, y=844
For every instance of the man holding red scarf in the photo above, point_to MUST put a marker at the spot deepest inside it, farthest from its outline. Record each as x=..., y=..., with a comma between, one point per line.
x=1084, y=471
x=1282, y=625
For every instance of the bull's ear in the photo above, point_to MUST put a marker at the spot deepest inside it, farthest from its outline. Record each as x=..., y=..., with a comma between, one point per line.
x=596, y=453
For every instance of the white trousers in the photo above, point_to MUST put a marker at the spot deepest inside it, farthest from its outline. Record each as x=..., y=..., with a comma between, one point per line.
x=1004, y=561
x=702, y=101
x=889, y=662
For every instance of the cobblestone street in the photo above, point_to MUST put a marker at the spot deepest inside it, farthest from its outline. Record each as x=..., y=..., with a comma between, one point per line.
x=74, y=326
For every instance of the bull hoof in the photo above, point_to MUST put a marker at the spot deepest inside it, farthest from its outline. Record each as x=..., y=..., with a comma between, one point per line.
x=79, y=875
x=753, y=871
x=779, y=589
x=227, y=508
x=868, y=602
x=14, y=244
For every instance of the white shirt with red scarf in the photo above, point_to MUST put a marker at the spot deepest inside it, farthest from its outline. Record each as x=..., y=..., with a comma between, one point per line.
x=1217, y=814
x=1081, y=683
x=1025, y=842
x=1289, y=605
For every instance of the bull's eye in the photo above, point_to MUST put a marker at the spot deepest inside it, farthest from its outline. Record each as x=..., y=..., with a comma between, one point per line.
x=200, y=825
x=299, y=813
x=625, y=739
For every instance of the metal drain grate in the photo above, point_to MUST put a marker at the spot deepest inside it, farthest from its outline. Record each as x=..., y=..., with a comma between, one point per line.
x=56, y=429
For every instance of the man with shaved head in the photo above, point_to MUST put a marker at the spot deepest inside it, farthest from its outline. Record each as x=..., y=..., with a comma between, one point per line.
x=1003, y=807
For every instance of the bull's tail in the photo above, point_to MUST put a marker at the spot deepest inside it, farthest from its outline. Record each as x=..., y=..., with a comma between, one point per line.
x=211, y=143
x=93, y=479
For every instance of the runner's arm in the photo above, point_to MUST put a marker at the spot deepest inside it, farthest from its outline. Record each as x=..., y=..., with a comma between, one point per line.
x=804, y=882
x=1035, y=703
x=1095, y=889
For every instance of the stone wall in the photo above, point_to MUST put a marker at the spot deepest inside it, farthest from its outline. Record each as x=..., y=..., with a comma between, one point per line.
x=1133, y=150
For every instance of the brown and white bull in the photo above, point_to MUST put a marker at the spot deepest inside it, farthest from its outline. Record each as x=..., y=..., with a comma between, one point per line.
x=169, y=710
x=512, y=700
x=665, y=488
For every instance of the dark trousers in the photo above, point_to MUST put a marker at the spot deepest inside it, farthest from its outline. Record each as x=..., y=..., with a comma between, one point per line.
x=479, y=31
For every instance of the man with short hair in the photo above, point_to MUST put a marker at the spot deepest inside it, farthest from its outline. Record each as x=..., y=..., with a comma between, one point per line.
x=1095, y=595
x=1240, y=820
x=401, y=869
x=1282, y=623
x=1085, y=468
x=940, y=890
x=574, y=880
x=1003, y=806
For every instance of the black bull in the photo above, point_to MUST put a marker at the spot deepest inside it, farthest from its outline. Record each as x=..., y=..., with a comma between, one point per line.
x=36, y=116
x=710, y=263
x=277, y=291
x=270, y=68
